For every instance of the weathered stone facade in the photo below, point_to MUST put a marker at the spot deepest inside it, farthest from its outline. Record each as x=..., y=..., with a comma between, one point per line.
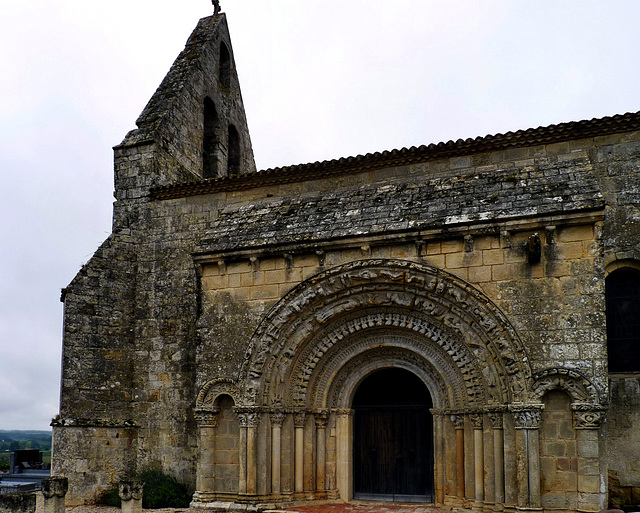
x=224, y=328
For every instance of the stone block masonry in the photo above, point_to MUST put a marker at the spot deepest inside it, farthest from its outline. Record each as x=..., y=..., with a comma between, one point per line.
x=222, y=331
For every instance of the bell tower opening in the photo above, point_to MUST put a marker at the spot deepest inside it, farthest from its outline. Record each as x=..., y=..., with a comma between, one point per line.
x=393, y=438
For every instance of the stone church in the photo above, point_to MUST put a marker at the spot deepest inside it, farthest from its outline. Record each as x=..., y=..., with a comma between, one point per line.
x=456, y=324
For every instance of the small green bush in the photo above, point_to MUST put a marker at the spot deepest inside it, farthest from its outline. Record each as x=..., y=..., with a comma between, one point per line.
x=163, y=491
x=110, y=497
x=160, y=491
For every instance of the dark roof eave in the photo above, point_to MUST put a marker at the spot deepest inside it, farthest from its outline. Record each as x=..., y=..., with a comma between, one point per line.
x=406, y=156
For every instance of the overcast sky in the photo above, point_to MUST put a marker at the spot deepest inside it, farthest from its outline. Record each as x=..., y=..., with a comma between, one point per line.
x=320, y=80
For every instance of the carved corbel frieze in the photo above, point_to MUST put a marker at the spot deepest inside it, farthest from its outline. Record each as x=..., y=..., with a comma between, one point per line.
x=526, y=416
x=207, y=416
x=587, y=415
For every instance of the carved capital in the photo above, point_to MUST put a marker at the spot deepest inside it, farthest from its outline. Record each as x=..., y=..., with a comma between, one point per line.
x=247, y=417
x=130, y=489
x=458, y=420
x=476, y=420
x=298, y=418
x=587, y=415
x=527, y=416
x=55, y=487
x=277, y=418
x=207, y=417
x=496, y=419
x=321, y=418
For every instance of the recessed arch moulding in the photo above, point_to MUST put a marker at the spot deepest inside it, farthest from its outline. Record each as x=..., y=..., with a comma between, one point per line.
x=328, y=333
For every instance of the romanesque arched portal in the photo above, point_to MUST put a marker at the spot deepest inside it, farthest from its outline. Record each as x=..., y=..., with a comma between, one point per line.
x=316, y=346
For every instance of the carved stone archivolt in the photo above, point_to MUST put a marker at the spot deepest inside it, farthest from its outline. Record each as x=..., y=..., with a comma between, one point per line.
x=335, y=386
x=212, y=390
x=427, y=318
x=579, y=388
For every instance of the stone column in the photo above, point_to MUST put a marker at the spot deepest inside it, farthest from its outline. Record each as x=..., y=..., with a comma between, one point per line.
x=277, y=419
x=587, y=420
x=438, y=456
x=498, y=455
x=298, y=422
x=458, y=423
x=322, y=419
x=478, y=457
x=243, y=420
x=54, y=489
x=207, y=419
x=253, y=419
x=130, y=491
x=344, y=453
x=527, y=421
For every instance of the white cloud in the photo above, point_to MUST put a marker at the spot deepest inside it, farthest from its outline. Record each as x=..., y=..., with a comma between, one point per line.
x=320, y=79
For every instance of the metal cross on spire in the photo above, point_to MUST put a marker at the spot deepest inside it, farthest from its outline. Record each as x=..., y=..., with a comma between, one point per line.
x=216, y=7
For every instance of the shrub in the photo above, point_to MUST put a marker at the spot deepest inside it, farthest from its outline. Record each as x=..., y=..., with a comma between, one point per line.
x=163, y=491
x=160, y=491
x=110, y=497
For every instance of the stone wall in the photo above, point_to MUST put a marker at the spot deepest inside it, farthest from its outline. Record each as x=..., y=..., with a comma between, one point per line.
x=531, y=222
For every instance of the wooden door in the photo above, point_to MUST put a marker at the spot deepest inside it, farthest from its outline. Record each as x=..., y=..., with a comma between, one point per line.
x=393, y=456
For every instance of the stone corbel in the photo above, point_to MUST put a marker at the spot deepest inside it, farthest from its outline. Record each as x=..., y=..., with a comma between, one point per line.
x=255, y=264
x=468, y=243
x=550, y=235
x=321, y=256
x=533, y=247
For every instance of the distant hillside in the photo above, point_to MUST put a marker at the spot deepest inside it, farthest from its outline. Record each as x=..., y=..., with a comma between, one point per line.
x=19, y=439
x=11, y=440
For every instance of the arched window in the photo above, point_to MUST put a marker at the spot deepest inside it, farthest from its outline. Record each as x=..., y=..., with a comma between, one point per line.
x=225, y=66
x=622, y=290
x=211, y=140
x=233, y=162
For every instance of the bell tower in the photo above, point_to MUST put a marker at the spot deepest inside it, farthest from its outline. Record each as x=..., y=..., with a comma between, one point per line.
x=193, y=128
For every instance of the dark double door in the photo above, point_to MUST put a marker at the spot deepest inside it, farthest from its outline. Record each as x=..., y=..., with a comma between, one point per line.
x=393, y=443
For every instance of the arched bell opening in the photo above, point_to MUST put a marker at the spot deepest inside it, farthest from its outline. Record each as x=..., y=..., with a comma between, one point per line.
x=393, y=438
